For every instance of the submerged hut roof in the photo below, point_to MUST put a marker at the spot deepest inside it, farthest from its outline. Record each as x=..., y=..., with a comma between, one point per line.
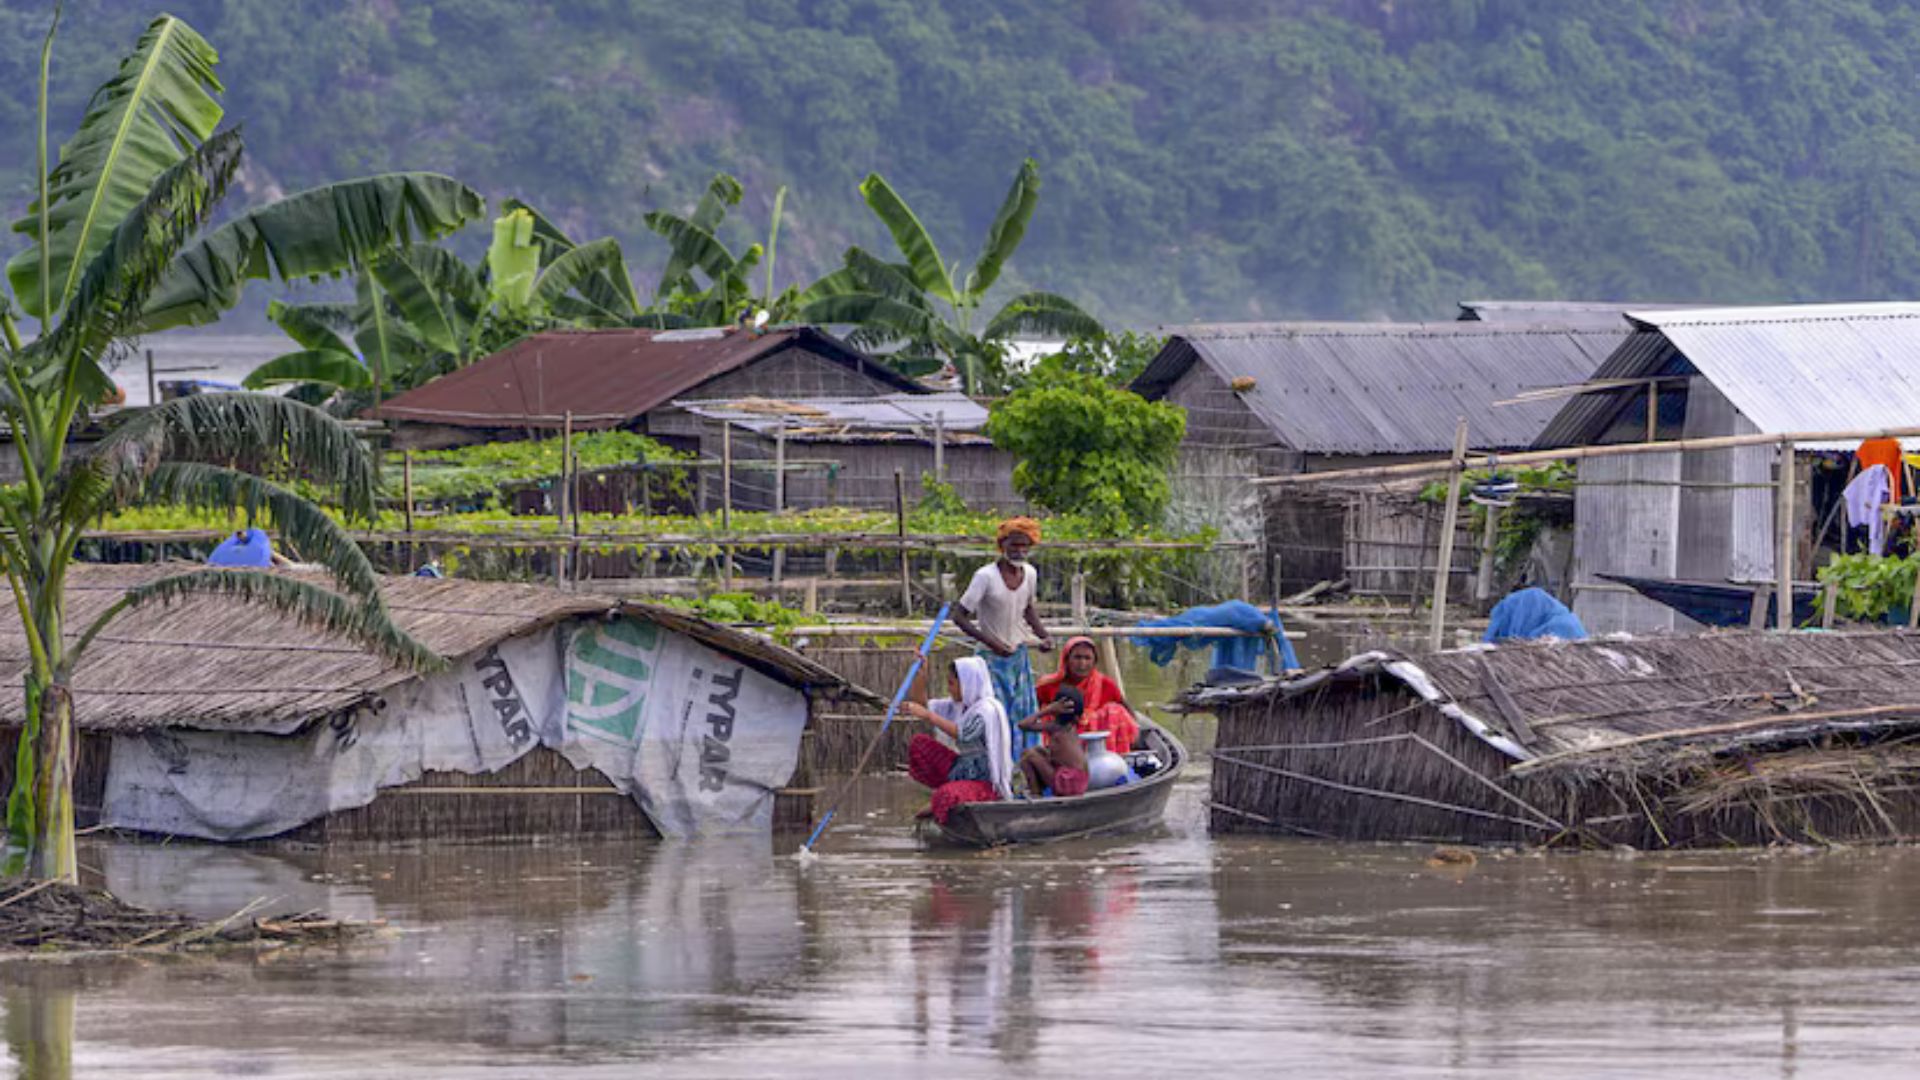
x=1389, y=388
x=218, y=664
x=1607, y=704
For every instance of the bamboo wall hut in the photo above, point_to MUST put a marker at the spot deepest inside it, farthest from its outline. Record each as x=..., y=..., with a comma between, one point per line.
x=1722, y=739
x=1277, y=398
x=1709, y=515
x=214, y=719
x=845, y=451
x=628, y=379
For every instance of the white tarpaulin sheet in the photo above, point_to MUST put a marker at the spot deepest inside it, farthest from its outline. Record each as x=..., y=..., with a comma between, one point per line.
x=700, y=740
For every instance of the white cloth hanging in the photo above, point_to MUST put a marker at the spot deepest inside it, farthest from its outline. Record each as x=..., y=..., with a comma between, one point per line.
x=1864, y=497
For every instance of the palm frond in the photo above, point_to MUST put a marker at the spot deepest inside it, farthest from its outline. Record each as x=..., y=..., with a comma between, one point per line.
x=234, y=427
x=693, y=248
x=302, y=525
x=579, y=267
x=307, y=603
x=139, y=124
x=324, y=231
x=1042, y=313
x=317, y=327
x=326, y=367
x=1008, y=229
x=130, y=261
x=929, y=270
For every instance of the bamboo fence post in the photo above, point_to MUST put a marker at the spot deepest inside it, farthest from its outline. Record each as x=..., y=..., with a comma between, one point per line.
x=811, y=605
x=1449, y=523
x=1653, y=411
x=573, y=501
x=779, y=500
x=1279, y=593
x=1831, y=596
x=1419, y=562
x=1913, y=605
x=900, y=517
x=560, y=498
x=940, y=447
x=726, y=502
x=1783, y=543
x=406, y=495
x=646, y=488
x=1246, y=575
x=1757, y=614
x=1483, y=581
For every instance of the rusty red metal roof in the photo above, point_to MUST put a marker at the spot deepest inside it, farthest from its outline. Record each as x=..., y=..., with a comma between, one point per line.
x=607, y=378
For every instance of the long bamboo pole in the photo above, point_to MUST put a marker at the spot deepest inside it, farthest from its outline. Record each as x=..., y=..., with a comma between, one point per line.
x=1449, y=524
x=900, y=518
x=1575, y=453
x=1783, y=543
x=1095, y=632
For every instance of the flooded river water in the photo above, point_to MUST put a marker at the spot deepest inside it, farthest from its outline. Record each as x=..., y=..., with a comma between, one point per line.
x=1165, y=954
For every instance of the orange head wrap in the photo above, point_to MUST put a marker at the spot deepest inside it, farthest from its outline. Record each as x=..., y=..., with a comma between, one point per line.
x=1024, y=526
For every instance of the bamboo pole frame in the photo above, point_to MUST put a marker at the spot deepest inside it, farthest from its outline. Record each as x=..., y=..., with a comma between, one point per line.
x=1783, y=542
x=1449, y=523
x=1575, y=453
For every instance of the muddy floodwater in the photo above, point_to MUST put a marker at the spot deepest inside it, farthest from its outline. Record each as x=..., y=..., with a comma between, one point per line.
x=1165, y=954
x=1160, y=955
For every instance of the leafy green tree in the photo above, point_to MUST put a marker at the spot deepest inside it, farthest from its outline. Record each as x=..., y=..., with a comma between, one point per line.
x=1117, y=358
x=1086, y=447
x=925, y=306
x=117, y=248
x=419, y=311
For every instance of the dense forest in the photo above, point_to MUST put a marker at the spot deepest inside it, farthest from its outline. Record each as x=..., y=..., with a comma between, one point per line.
x=1202, y=159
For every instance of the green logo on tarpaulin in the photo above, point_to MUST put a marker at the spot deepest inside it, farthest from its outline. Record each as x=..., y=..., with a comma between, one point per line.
x=608, y=668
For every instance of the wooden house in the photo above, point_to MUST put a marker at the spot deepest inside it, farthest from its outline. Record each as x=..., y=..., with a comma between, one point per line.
x=1709, y=515
x=628, y=379
x=1271, y=398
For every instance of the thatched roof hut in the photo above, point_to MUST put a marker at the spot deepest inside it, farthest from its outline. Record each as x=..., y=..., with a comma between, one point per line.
x=175, y=688
x=1732, y=738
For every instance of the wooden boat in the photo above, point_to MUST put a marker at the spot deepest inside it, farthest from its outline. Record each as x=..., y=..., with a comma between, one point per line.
x=1109, y=811
x=1718, y=603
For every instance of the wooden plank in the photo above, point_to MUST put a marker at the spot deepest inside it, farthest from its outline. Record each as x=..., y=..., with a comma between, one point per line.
x=1449, y=522
x=1503, y=703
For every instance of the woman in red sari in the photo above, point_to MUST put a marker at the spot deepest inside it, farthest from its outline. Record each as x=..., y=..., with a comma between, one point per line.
x=1107, y=710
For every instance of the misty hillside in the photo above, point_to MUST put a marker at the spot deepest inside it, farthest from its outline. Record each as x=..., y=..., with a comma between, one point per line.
x=1202, y=158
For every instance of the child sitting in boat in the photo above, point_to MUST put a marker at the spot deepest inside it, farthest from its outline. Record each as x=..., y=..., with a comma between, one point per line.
x=1061, y=764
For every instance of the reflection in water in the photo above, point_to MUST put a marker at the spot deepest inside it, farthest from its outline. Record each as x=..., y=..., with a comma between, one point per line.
x=1163, y=954
x=40, y=1024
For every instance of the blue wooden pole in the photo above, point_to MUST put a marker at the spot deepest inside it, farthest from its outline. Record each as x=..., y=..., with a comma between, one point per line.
x=900, y=695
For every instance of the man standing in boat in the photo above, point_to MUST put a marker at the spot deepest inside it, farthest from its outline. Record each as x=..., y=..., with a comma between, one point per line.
x=998, y=611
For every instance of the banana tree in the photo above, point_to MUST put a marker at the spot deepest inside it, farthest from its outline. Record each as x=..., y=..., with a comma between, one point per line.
x=420, y=311
x=695, y=246
x=925, y=306
x=119, y=245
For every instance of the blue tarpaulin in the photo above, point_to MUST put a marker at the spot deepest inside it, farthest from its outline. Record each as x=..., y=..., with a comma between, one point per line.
x=249, y=547
x=1241, y=654
x=1530, y=614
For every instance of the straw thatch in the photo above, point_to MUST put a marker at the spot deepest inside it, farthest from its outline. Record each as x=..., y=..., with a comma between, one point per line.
x=1726, y=738
x=213, y=663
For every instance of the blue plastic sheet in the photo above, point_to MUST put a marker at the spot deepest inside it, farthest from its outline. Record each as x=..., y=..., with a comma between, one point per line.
x=250, y=547
x=1240, y=654
x=1531, y=614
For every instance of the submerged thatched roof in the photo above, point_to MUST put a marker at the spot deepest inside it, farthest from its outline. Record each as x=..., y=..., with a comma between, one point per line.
x=219, y=664
x=1594, y=704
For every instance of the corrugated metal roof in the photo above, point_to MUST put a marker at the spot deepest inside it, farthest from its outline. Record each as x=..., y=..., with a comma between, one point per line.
x=891, y=412
x=1602, y=313
x=1808, y=367
x=1390, y=388
x=605, y=378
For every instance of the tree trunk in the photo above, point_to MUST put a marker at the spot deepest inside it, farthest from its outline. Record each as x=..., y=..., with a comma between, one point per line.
x=53, y=856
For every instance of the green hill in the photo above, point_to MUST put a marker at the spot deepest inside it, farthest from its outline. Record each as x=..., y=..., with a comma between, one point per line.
x=1219, y=159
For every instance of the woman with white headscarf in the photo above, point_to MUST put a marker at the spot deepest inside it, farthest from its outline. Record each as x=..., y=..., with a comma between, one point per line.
x=978, y=767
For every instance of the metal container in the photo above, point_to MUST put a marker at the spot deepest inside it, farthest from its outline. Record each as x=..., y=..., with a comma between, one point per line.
x=1105, y=768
